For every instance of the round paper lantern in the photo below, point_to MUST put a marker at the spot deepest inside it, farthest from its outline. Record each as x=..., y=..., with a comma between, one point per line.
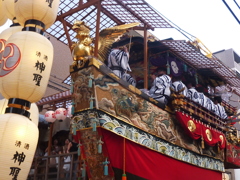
x=34, y=112
x=50, y=116
x=10, y=31
x=3, y=105
x=61, y=113
x=43, y=11
x=9, y=8
x=26, y=65
x=3, y=17
x=18, y=141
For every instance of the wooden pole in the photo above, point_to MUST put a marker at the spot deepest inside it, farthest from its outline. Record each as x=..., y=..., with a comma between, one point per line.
x=145, y=68
x=97, y=28
x=50, y=139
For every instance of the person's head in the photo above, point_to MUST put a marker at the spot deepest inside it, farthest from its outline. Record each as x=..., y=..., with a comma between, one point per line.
x=67, y=141
x=161, y=71
x=55, y=142
x=190, y=84
x=153, y=75
x=217, y=99
x=200, y=89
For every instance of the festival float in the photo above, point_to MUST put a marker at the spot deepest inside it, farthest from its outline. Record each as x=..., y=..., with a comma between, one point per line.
x=123, y=133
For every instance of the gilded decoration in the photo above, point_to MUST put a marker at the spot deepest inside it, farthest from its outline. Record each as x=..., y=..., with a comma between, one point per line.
x=94, y=159
x=191, y=125
x=139, y=136
x=132, y=108
x=209, y=134
x=82, y=92
x=83, y=48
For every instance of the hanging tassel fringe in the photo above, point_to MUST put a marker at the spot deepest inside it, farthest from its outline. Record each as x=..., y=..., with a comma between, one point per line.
x=202, y=142
x=71, y=90
x=79, y=151
x=91, y=102
x=105, y=163
x=100, y=142
x=105, y=170
x=168, y=68
x=84, y=170
x=90, y=81
x=124, y=177
x=74, y=129
x=185, y=67
x=196, y=78
x=73, y=108
x=99, y=148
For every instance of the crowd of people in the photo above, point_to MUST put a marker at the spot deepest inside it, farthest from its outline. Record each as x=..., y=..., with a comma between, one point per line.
x=163, y=85
x=57, y=148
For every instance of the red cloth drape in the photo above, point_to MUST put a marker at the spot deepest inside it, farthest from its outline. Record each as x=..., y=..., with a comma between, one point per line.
x=150, y=164
x=183, y=119
x=211, y=136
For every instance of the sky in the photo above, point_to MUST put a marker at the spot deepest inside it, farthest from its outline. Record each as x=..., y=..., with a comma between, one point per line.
x=208, y=20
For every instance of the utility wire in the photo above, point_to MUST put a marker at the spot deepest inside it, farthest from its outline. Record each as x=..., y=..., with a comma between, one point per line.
x=231, y=10
x=183, y=32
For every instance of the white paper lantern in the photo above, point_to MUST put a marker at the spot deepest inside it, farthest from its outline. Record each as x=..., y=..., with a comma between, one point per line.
x=3, y=17
x=26, y=66
x=9, y=8
x=41, y=10
x=61, y=113
x=10, y=31
x=34, y=112
x=18, y=141
x=50, y=116
x=3, y=105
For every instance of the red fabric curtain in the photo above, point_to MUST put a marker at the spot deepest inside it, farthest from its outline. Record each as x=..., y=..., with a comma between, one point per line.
x=183, y=119
x=150, y=164
x=210, y=136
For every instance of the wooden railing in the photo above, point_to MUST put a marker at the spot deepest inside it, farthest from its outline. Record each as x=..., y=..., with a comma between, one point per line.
x=179, y=102
x=55, y=167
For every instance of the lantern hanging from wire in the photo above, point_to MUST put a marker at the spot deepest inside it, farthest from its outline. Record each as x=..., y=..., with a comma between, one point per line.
x=3, y=17
x=32, y=10
x=10, y=31
x=61, y=114
x=18, y=141
x=25, y=69
x=50, y=116
x=9, y=8
x=34, y=112
x=26, y=65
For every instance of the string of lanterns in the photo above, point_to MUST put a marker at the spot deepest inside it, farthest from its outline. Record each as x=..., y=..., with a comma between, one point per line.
x=60, y=114
x=26, y=58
